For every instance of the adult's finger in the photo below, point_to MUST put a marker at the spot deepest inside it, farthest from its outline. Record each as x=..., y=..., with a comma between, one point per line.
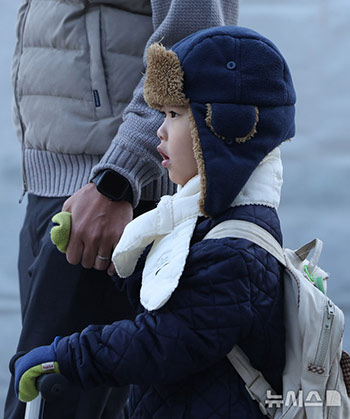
x=111, y=269
x=103, y=258
x=75, y=249
x=101, y=264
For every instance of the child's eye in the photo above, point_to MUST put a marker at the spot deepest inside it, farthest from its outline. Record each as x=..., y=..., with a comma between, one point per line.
x=173, y=114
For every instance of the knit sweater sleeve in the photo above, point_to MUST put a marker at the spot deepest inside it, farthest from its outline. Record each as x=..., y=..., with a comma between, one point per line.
x=133, y=151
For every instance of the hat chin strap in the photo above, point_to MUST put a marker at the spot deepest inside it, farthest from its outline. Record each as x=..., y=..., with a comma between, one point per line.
x=265, y=183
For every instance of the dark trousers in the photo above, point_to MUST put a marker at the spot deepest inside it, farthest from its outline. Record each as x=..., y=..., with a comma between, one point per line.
x=58, y=299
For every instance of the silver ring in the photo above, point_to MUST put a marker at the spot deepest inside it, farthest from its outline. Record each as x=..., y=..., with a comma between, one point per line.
x=103, y=258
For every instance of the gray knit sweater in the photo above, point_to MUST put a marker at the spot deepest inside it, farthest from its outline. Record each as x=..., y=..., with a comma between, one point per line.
x=75, y=67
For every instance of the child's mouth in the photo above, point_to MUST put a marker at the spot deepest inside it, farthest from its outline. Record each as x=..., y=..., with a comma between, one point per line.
x=165, y=158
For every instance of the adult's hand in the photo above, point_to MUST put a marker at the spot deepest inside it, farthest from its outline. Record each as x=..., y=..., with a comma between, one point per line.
x=97, y=224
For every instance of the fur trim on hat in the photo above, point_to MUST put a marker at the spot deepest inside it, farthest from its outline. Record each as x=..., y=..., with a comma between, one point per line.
x=198, y=155
x=164, y=78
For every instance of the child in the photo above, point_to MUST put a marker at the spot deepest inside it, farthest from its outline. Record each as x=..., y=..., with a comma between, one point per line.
x=228, y=101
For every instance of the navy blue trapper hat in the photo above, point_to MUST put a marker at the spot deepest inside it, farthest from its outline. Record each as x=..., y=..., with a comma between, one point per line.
x=241, y=100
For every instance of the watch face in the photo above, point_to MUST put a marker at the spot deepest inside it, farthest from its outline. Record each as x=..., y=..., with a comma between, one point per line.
x=114, y=186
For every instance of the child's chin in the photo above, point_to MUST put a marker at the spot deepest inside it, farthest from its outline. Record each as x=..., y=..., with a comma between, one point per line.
x=175, y=179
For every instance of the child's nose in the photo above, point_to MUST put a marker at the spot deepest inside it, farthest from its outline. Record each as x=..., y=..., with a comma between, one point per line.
x=161, y=132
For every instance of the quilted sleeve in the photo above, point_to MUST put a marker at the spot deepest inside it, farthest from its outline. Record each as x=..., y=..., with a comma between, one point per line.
x=206, y=315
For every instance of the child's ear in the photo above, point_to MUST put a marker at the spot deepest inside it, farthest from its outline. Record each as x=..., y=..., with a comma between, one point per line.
x=232, y=122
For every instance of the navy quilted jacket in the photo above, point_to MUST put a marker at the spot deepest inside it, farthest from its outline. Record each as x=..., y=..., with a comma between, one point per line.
x=174, y=358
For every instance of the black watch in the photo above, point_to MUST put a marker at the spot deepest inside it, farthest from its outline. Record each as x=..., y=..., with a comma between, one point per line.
x=113, y=185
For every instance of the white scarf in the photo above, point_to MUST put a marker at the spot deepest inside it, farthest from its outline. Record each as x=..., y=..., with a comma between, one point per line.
x=170, y=227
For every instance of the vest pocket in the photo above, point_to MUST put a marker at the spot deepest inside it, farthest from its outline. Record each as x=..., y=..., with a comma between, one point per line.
x=99, y=93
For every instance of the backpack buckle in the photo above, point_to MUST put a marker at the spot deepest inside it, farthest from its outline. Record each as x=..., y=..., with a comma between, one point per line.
x=263, y=409
x=261, y=404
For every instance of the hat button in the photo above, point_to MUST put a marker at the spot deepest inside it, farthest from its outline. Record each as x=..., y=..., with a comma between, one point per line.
x=231, y=65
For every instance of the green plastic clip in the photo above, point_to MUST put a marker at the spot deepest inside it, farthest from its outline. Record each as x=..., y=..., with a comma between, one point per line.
x=318, y=281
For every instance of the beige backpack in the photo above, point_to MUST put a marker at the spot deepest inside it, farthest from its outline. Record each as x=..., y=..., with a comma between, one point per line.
x=316, y=377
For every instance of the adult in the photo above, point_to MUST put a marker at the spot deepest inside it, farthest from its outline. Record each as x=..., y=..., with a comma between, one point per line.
x=77, y=65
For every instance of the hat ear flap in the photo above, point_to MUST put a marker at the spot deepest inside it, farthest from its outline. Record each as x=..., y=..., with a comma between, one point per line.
x=231, y=122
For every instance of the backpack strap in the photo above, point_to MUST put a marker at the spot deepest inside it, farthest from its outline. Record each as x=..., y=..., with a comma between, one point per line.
x=245, y=230
x=255, y=383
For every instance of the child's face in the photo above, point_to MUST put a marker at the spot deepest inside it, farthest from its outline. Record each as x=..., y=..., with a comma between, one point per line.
x=176, y=145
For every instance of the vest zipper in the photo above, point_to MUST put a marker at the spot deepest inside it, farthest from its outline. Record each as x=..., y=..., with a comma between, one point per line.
x=323, y=343
x=16, y=99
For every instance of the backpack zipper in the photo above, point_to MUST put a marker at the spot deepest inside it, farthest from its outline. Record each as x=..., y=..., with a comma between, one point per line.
x=323, y=342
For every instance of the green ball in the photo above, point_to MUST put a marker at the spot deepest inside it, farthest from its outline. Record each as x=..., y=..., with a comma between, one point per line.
x=60, y=234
